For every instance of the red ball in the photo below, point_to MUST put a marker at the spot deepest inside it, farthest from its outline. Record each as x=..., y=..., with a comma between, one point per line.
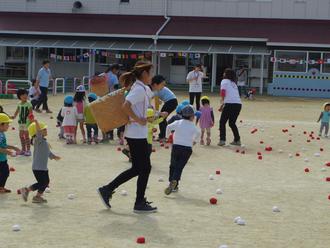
x=162, y=145
x=297, y=154
x=312, y=132
x=13, y=128
x=242, y=152
x=51, y=117
x=268, y=149
x=213, y=200
x=305, y=132
x=318, y=138
x=141, y=240
x=289, y=141
x=327, y=179
x=166, y=147
x=313, y=138
x=259, y=153
x=237, y=151
x=328, y=197
x=118, y=149
x=18, y=191
x=306, y=170
x=12, y=169
x=261, y=142
x=321, y=149
x=241, y=121
x=218, y=172
x=308, y=141
x=293, y=126
x=328, y=164
x=260, y=157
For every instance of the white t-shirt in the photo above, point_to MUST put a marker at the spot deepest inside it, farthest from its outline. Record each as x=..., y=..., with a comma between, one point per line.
x=32, y=93
x=185, y=134
x=232, y=95
x=194, y=79
x=139, y=98
x=69, y=115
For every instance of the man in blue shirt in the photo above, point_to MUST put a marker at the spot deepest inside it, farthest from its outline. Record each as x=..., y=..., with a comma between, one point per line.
x=112, y=74
x=43, y=77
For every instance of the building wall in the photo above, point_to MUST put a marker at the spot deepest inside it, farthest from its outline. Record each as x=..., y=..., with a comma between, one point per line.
x=297, y=9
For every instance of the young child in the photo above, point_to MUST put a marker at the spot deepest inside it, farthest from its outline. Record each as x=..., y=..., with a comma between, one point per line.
x=206, y=120
x=41, y=153
x=79, y=103
x=4, y=151
x=168, y=97
x=90, y=121
x=186, y=135
x=24, y=109
x=59, y=119
x=69, y=114
x=34, y=93
x=325, y=118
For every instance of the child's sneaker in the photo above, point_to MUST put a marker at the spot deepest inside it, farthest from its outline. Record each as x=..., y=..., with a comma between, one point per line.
x=222, y=143
x=38, y=199
x=144, y=207
x=27, y=153
x=24, y=193
x=105, y=196
x=173, y=184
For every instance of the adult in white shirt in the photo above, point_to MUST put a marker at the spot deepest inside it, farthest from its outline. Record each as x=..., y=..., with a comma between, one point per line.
x=242, y=76
x=194, y=78
x=34, y=94
x=136, y=132
x=230, y=106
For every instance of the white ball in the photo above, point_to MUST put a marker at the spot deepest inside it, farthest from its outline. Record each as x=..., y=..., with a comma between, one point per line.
x=236, y=219
x=317, y=154
x=223, y=246
x=280, y=151
x=219, y=191
x=323, y=169
x=306, y=160
x=276, y=209
x=71, y=196
x=243, y=146
x=123, y=193
x=211, y=177
x=161, y=179
x=290, y=155
x=16, y=228
x=47, y=190
x=262, y=130
x=241, y=222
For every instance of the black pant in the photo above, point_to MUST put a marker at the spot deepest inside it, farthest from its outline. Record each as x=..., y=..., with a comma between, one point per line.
x=192, y=96
x=141, y=167
x=4, y=173
x=34, y=103
x=43, y=98
x=149, y=149
x=230, y=112
x=42, y=178
x=91, y=127
x=168, y=107
x=179, y=158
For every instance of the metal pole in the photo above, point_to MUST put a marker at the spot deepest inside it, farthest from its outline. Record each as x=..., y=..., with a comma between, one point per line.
x=33, y=62
x=261, y=89
x=30, y=64
x=90, y=61
x=155, y=61
x=214, y=71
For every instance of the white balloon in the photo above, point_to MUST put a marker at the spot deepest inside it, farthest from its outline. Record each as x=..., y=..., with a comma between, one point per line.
x=219, y=191
x=276, y=209
x=241, y=222
x=236, y=219
x=161, y=179
x=306, y=160
x=290, y=155
x=317, y=154
x=323, y=169
x=280, y=151
x=71, y=196
x=123, y=193
x=211, y=177
x=16, y=228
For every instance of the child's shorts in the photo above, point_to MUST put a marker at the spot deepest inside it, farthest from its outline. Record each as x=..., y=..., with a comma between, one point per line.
x=22, y=127
x=69, y=130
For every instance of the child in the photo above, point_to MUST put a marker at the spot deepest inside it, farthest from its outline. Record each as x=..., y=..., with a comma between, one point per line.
x=325, y=118
x=4, y=151
x=69, y=114
x=34, y=93
x=186, y=135
x=24, y=109
x=79, y=102
x=167, y=96
x=90, y=121
x=206, y=120
x=59, y=119
x=41, y=153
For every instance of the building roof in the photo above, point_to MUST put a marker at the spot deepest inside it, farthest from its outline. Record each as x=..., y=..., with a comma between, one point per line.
x=79, y=24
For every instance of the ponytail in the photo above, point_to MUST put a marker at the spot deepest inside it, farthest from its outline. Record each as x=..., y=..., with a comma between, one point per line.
x=128, y=78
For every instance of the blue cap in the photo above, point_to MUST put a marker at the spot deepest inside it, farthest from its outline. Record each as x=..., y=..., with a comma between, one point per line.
x=92, y=95
x=68, y=100
x=188, y=111
x=185, y=103
x=198, y=114
x=179, y=109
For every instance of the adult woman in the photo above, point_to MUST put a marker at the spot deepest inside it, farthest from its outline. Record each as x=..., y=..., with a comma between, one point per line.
x=194, y=78
x=230, y=106
x=136, y=132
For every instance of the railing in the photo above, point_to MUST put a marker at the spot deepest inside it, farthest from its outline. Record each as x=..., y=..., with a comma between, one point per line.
x=51, y=86
x=1, y=87
x=86, y=82
x=59, y=85
x=76, y=82
x=11, y=87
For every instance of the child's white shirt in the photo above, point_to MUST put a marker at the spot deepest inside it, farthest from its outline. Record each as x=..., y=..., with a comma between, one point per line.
x=186, y=133
x=32, y=93
x=70, y=115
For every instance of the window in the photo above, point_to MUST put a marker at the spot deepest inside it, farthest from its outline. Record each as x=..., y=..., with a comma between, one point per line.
x=242, y=60
x=326, y=66
x=313, y=61
x=291, y=61
x=179, y=61
x=256, y=61
x=16, y=53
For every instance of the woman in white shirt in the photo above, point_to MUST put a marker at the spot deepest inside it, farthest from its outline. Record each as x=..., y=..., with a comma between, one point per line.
x=194, y=78
x=231, y=106
x=136, y=132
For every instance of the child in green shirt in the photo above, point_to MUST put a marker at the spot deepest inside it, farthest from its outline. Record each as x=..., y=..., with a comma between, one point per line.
x=90, y=121
x=24, y=109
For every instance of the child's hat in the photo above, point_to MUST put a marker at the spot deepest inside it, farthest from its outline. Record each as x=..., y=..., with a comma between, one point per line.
x=92, y=95
x=188, y=111
x=4, y=118
x=179, y=109
x=68, y=100
x=185, y=103
x=205, y=98
x=80, y=88
x=326, y=104
x=33, y=129
x=150, y=112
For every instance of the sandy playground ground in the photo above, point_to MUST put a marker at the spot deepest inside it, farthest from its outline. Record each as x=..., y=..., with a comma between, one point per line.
x=251, y=187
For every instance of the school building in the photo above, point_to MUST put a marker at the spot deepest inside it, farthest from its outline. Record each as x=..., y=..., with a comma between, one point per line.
x=284, y=44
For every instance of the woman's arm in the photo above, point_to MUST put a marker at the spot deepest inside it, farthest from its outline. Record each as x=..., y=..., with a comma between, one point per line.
x=127, y=108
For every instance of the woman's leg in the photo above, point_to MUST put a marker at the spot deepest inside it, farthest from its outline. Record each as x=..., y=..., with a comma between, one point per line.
x=4, y=173
x=191, y=97
x=234, y=113
x=223, y=121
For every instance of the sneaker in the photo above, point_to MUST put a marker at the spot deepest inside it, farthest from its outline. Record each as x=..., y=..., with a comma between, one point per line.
x=4, y=191
x=24, y=193
x=222, y=143
x=175, y=190
x=105, y=196
x=27, y=153
x=144, y=207
x=173, y=184
x=49, y=112
x=236, y=143
x=38, y=199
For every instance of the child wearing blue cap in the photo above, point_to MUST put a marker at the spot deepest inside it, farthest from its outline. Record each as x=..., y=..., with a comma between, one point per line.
x=69, y=124
x=90, y=121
